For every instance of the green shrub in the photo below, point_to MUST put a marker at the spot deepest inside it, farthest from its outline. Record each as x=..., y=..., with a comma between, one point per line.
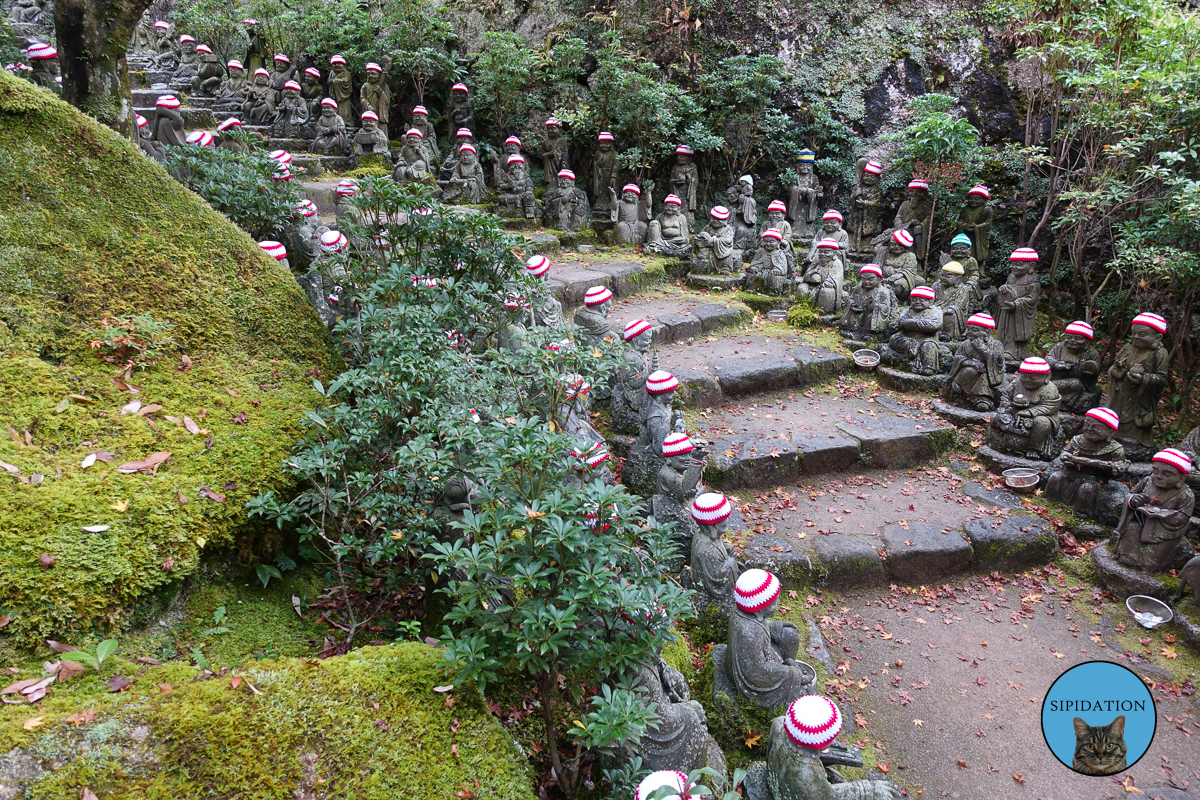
x=239, y=185
x=804, y=314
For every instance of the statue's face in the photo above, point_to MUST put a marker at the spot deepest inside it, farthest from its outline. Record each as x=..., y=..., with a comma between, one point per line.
x=468, y=159
x=518, y=170
x=894, y=248
x=606, y=146
x=976, y=200
x=949, y=279
x=605, y=308
x=718, y=224
x=374, y=77
x=261, y=80
x=1075, y=342
x=328, y=112
x=869, y=179
x=770, y=245
x=629, y=197
x=831, y=226
x=770, y=610
x=804, y=167
x=916, y=195
x=310, y=80
x=1033, y=382
x=824, y=256
x=975, y=332
x=369, y=125
x=236, y=72
x=731, y=195
x=291, y=94
x=1096, y=431
x=918, y=304
x=566, y=183
x=678, y=462
x=188, y=47
x=458, y=96
x=670, y=210
x=512, y=149
x=871, y=281
x=642, y=341
x=1165, y=477
x=960, y=252
x=1021, y=267
x=281, y=66
x=775, y=217
x=339, y=69
x=1143, y=337
x=745, y=187
x=418, y=120
x=553, y=132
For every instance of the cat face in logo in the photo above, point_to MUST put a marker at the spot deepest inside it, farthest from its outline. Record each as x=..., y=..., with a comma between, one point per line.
x=1100, y=749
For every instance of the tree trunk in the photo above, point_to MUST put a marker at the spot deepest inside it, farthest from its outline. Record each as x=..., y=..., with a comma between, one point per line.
x=92, y=37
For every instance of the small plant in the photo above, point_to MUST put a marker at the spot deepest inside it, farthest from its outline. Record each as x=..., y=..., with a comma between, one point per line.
x=218, y=623
x=94, y=660
x=137, y=341
x=265, y=572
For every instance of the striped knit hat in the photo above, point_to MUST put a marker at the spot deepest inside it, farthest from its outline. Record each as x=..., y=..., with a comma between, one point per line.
x=1176, y=458
x=231, y=122
x=370, y=115
x=597, y=295
x=591, y=457
x=461, y=132
x=982, y=320
x=719, y=212
x=1105, y=415
x=605, y=136
x=806, y=155
x=292, y=85
x=676, y=445
x=636, y=328
x=203, y=48
x=1035, y=366
x=330, y=103
x=1024, y=254
x=373, y=67
x=813, y=721
x=282, y=173
x=313, y=71
x=261, y=71
x=661, y=382
x=684, y=150
x=980, y=190
x=346, y=187
x=306, y=208
x=832, y=213
x=162, y=25
x=916, y=183
x=1082, y=329
x=233, y=63
x=902, y=237
x=954, y=268
x=513, y=140
x=828, y=244
x=669, y=778
x=1153, y=320
x=274, y=249
x=460, y=87
x=185, y=38
x=537, y=266
x=711, y=507
x=424, y=112
x=282, y=57
x=168, y=101
x=925, y=292
x=871, y=269
x=772, y=233
x=333, y=241
x=142, y=121
x=419, y=135
x=566, y=173
x=873, y=168
x=281, y=156
x=631, y=187
x=672, y=200
x=467, y=146
x=755, y=590
x=553, y=122
x=961, y=238
x=337, y=60
x=202, y=138
x=777, y=205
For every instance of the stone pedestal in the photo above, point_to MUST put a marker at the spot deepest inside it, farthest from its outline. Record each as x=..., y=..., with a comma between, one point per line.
x=900, y=381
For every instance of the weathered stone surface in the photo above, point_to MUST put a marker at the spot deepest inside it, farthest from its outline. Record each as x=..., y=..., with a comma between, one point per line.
x=1123, y=581
x=539, y=243
x=848, y=561
x=752, y=461
x=726, y=282
x=1012, y=544
x=719, y=315
x=1187, y=620
x=901, y=381
x=738, y=378
x=997, y=462
x=819, y=366
x=679, y=327
x=624, y=276
x=575, y=283
x=961, y=416
x=825, y=452
x=898, y=441
x=697, y=388
x=922, y=553
x=779, y=556
x=991, y=497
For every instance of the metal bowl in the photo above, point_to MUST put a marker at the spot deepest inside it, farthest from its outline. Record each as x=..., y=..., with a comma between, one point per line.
x=1150, y=612
x=866, y=359
x=1021, y=479
x=777, y=315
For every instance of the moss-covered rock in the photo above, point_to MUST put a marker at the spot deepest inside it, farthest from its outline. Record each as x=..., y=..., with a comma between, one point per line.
x=91, y=228
x=367, y=725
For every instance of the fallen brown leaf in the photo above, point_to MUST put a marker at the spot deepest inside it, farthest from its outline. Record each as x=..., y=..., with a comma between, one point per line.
x=81, y=717
x=33, y=722
x=117, y=683
x=148, y=465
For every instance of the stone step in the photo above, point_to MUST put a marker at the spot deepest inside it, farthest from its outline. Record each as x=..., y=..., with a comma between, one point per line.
x=680, y=316
x=570, y=277
x=193, y=118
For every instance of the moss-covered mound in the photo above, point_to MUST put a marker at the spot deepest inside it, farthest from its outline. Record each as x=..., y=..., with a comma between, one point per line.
x=367, y=725
x=90, y=228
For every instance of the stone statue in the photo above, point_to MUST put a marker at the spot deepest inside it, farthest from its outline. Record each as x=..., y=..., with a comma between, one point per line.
x=166, y=49
x=43, y=61
x=374, y=95
x=210, y=75
x=555, y=152
x=592, y=316
x=745, y=213
x=913, y=216
x=574, y=414
x=463, y=136
x=604, y=172
x=1018, y=299
x=1075, y=368
x=977, y=370
x=511, y=147
x=899, y=263
x=29, y=12
x=795, y=767
x=658, y=420
x=714, y=568
x=330, y=131
x=685, y=178
x=669, y=232
x=1092, y=465
x=713, y=252
x=256, y=45
x=150, y=147
x=1026, y=422
x=461, y=113
x=680, y=739
x=872, y=311
x=960, y=251
x=341, y=89
x=677, y=483
x=513, y=335
x=1150, y=535
x=866, y=204
x=420, y=122
x=761, y=659
x=953, y=296
x=282, y=71
x=803, y=197
x=566, y=207
x=259, y=107
x=189, y=58
x=411, y=163
x=631, y=212
x=831, y=228
x=514, y=190
x=234, y=85
x=291, y=114
x=629, y=386
x=975, y=220
x=1136, y=381
x=545, y=311
x=768, y=270
x=312, y=91
x=306, y=233
x=777, y=219
x=823, y=280
x=168, y=122
x=371, y=140
x=915, y=347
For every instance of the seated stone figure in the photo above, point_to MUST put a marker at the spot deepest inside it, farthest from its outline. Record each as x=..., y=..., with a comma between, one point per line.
x=768, y=270
x=831, y=228
x=590, y=463
x=795, y=770
x=1075, y=368
x=714, y=567
x=168, y=122
x=592, y=316
x=629, y=386
x=566, y=206
x=677, y=484
x=234, y=85
x=1026, y=423
x=960, y=251
x=291, y=113
x=900, y=268
x=1190, y=576
x=872, y=311
x=411, y=163
x=659, y=419
x=761, y=659
x=915, y=347
x=630, y=212
x=545, y=310
x=514, y=190
x=259, y=107
x=823, y=280
x=669, y=233
x=330, y=128
x=210, y=74
x=777, y=219
x=370, y=141
x=977, y=370
x=954, y=298
x=1156, y=516
x=466, y=182
x=713, y=252
x=1092, y=464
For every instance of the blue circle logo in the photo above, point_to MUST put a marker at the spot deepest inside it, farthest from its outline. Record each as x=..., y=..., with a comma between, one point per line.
x=1098, y=718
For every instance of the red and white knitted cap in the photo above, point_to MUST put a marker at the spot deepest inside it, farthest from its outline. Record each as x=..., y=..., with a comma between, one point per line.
x=871, y=269
x=873, y=168
x=424, y=112
x=711, y=507
x=337, y=60
x=1105, y=415
x=630, y=187
x=370, y=115
x=1024, y=254
x=661, y=382
x=636, y=328
x=575, y=385
x=1035, y=366
x=982, y=320
x=755, y=590
x=917, y=183
x=141, y=121
x=669, y=778
x=902, y=237
x=306, y=208
x=274, y=249
x=316, y=73
x=231, y=122
x=772, y=233
x=346, y=187
x=922, y=291
x=719, y=212
x=566, y=173
x=832, y=213
x=282, y=173
x=828, y=244
x=464, y=132
x=233, y=63
x=676, y=445
x=537, y=266
x=282, y=57
x=168, y=101
x=202, y=138
x=261, y=71
x=813, y=721
x=592, y=457
x=1153, y=320
x=459, y=87
x=203, y=48
x=418, y=134
x=467, y=146
x=1081, y=328
x=249, y=21
x=373, y=67
x=513, y=140
x=185, y=38
x=162, y=25
x=777, y=205
x=605, y=136
x=980, y=190
x=1176, y=458
x=672, y=200
x=553, y=122
x=333, y=241
x=282, y=156
x=684, y=150
x=292, y=85
x=597, y=295
x=330, y=102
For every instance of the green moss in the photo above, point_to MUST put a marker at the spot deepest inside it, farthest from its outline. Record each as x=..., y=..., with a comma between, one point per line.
x=760, y=303
x=92, y=228
x=678, y=655
x=804, y=314
x=376, y=170
x=365, y=725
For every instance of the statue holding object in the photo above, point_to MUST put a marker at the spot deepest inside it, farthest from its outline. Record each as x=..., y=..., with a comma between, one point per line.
x=866, y=205
x=1136, y=381
x=977, y=370
x=803, y=197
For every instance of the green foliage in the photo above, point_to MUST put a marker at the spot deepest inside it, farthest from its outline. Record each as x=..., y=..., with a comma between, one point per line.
x=216, y=23
x=503, y=78
x=804, y=314
x=132, y=341
x=239, y=185
x=94, y=660
x=738, y=99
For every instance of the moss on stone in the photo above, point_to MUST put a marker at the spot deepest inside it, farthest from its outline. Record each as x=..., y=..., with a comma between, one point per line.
x=678, y=655
x=760, y=303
